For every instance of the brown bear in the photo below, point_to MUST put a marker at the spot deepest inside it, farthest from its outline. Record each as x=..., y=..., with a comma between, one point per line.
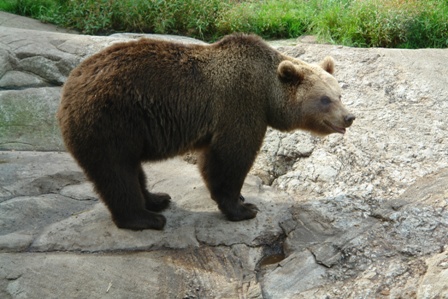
x=150, y=100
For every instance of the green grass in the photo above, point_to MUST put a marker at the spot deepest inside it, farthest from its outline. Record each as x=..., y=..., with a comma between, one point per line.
x=271, y=19
x=360, y=23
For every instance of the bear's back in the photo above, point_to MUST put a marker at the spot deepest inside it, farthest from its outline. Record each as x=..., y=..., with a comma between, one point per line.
x=179, y=94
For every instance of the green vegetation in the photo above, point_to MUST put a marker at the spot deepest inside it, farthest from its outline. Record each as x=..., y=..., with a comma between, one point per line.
x=362, y=23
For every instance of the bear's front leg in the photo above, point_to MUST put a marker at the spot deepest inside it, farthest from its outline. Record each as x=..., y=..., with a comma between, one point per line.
x=224, y=175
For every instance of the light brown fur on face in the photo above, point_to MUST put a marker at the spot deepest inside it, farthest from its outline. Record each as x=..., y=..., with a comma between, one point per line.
x=317, y=105
x=150, y=100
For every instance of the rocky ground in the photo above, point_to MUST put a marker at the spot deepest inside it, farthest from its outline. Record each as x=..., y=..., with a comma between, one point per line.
x=360, y=215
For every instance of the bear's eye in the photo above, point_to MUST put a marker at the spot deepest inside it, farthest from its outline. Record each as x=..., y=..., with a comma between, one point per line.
x=325, y=100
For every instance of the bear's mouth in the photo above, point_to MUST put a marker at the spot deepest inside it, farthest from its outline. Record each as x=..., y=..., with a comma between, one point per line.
x=335, y=128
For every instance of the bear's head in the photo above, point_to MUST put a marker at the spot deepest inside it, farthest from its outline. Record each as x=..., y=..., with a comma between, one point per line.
x=314, y=97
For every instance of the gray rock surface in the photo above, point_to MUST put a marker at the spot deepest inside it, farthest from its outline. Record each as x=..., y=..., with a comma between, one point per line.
x=52, y=224
x=16, y=21
x=349, y=247
x=362, y=215
x=344, y=247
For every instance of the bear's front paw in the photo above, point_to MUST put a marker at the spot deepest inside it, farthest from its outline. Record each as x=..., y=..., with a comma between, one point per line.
x=243, y=211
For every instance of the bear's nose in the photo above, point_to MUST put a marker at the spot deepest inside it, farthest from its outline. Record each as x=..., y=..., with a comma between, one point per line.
x=349, y=119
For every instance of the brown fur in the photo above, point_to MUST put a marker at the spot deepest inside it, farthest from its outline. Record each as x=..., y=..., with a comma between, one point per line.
x=150, y=100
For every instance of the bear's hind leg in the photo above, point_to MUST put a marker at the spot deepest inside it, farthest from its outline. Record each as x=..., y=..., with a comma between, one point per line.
x=119, y=188
x=155, y=202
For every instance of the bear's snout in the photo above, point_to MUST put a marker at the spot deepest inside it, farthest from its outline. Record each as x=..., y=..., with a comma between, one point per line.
x=349, y=119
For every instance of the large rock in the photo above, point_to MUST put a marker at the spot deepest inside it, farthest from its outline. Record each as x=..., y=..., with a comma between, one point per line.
x=52, y=223
x=356, y=248
x=362, y=215
x=344, y=247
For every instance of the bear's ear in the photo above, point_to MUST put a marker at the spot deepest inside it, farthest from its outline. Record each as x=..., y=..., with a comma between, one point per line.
x=328, y=64
x=289, y=72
